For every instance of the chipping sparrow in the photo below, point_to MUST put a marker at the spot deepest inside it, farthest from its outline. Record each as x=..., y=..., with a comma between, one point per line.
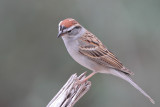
x=86, y=49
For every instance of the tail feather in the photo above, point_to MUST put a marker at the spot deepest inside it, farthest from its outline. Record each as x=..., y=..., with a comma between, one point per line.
x=128, y=79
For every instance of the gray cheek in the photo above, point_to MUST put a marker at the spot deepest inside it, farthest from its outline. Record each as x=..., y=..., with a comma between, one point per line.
x=74, y=32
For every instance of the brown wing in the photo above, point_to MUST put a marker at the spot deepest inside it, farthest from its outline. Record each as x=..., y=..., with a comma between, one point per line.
x=95, y=50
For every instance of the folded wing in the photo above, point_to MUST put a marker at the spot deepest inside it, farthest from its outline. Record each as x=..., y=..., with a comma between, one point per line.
x=95, y=50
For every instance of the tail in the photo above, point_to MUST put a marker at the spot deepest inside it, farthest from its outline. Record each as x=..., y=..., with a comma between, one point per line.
x=127, y=78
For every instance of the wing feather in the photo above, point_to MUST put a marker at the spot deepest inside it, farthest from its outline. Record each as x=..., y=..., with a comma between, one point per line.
x=94, y=49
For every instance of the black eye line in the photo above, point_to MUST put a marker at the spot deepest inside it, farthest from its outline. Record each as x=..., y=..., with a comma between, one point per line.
x=76, y=27
x=69, y=31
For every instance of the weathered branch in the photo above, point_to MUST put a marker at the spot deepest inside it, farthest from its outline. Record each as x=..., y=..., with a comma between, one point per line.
x=71, y=92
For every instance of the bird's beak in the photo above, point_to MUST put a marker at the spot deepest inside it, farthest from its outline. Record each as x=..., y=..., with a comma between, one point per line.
x=59, y=34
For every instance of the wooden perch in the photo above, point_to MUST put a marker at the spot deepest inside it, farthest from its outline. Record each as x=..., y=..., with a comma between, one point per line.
x=71, y=92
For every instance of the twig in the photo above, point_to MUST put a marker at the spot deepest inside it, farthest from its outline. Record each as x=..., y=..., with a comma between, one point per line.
x=71, y=92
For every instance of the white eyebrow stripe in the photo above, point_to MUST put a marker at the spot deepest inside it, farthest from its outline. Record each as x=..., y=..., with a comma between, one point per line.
x=70, y=28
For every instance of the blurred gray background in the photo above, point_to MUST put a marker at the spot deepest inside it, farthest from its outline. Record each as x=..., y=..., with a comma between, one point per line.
x=34, y=63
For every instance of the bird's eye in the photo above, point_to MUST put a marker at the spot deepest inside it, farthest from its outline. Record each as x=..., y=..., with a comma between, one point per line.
x=77, y=27
x=74, y=31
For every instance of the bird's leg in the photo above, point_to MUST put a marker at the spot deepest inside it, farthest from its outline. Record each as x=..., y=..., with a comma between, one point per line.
x=85, y=79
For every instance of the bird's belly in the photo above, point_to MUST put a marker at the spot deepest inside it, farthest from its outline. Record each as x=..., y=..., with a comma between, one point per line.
x=83, y=60
x=73, y=50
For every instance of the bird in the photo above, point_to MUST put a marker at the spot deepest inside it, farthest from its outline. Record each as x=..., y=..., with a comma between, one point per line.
x=86, y=49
